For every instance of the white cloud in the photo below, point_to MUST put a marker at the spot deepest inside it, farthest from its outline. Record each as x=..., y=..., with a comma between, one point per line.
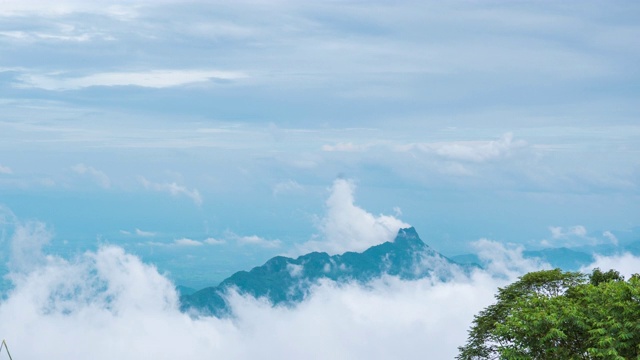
x=258, y=241
x=556, y=232
x=347, y=227
x=578, y=230
x=98, y=176
x=470, y=151
x=187, y=242
x=559, y=232
x=506, y=260
x=397, y=211
x=213, y=241
x=288, y=186
x=295, y=270
x=174, y=189
x=143, y=233
x=7, y=217
x=391, y=319
x=122, y=10
x=627, y=264
x=5, y=170
x=570, y=236
x=27, y=242
x=609, y=235
x=150, y=79
x=343, y=147
x=34, y=36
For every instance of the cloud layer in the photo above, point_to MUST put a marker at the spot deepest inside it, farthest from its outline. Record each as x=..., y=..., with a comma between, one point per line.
x=109, y=304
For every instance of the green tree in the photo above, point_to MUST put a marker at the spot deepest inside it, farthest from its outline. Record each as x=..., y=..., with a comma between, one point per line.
x=560, y=315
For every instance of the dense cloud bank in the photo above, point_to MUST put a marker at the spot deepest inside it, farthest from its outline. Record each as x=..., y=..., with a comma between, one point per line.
x=109, y=304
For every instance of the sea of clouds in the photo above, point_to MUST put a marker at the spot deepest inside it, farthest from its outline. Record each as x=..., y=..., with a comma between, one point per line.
x=108, y=304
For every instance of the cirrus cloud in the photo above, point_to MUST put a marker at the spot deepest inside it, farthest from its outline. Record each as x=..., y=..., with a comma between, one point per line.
x=187, y=242
x=174, y=189
x=213, y=241
x=258, y=241
x=98, y=176
x=470, y=151
x=151, y=79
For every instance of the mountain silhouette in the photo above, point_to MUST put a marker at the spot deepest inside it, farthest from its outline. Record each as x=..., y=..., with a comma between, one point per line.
x=286, y=281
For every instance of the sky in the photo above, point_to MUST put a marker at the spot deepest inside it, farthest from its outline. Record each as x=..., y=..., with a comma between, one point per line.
x=218, y=133
x=145, y=144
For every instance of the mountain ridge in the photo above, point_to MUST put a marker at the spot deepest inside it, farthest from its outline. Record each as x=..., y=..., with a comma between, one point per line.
x=287, y=281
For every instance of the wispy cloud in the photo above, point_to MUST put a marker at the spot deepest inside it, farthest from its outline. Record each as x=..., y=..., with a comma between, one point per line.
x=34, y=36
x=470, y=151
x=213, y=241
x=151, y=79
x=258, y=241
x=559, y=232
x=609, y=235
x=59, y=8
x=142, y=233
x=187, y=242
x=27, y=244
x=288, y=186
x=571, y=236
x=174, y=189
x=344, y=147
x=506, y=260
x=5, y=170
x=98, y=176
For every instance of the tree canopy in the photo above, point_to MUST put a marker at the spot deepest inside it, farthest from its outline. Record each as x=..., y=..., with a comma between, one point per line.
x=554, y=314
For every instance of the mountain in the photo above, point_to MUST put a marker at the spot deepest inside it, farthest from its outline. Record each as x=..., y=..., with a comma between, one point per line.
x=286, y=281
x=185, y=290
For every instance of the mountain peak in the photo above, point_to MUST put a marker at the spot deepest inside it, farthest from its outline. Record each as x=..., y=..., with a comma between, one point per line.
x=284, y=280
x=409, y=237
x=409, y=232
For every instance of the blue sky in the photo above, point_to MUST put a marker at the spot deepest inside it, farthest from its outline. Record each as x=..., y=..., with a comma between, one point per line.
x=149, y=124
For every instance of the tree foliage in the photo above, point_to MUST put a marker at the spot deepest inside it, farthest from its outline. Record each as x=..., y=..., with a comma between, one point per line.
x=553, y=314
